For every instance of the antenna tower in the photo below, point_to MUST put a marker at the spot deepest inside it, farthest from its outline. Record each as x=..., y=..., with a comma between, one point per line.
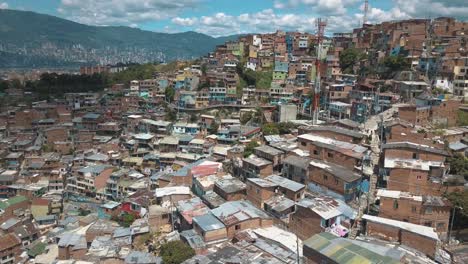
x=321, y=24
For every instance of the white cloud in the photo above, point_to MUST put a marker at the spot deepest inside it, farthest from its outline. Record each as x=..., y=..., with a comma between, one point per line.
x=3, y=5
x=264, y=21
x=123, y=12
x=323, y=7
x=184, y=21
x=433, y=8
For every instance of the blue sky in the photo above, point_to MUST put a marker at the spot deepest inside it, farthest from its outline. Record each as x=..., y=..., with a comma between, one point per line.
x=226, y=17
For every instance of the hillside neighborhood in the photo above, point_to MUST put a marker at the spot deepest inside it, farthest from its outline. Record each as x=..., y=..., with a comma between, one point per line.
x=285, y=147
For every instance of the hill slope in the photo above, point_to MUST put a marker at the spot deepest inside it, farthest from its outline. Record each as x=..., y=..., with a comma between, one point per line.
x=32, y=39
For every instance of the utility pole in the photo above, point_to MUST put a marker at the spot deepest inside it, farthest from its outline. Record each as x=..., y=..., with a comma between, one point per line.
x=366, y=10
x=321, y=24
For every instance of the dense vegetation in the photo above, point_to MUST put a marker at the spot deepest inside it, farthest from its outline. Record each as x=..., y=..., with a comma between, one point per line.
x=176, y=252
x=462, y=118
x=249, y=149
x=259, y=79
x=278, y=128
x=55, y=85
x=350, y=58
x=459, y=165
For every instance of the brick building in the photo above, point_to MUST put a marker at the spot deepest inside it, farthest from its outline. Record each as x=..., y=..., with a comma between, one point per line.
x=431, y=211
x=347, y=154
x=230, y=189
x=255, y=167
x=421, y=238
x=335, y=178
x=315, y=215
x=333, y=132
x=238, y=216
x=10, y=249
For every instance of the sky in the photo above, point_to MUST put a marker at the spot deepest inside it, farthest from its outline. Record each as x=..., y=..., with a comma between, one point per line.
x=228, y=17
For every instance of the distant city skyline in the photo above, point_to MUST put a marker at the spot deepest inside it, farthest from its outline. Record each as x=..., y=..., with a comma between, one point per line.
x=227, y=17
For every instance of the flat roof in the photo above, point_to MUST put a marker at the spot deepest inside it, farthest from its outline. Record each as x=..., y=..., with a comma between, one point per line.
x=269, y=150
x=257, y=161
x=413, y=228
x=349, y=149
x=208, y=222
x=398, y=195
x=411, y=145
x=414, y=164
x=286, y=183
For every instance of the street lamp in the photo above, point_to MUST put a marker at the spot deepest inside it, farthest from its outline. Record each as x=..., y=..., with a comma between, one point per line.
x=451, y=223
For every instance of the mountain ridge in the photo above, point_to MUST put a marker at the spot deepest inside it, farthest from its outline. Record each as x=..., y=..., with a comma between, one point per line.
x=27, y=36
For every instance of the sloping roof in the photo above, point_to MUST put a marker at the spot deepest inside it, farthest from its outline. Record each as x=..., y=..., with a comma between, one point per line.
x=413, y=228
x=296, y=161
x=208, y=222
x=139, y=257
x=238, y=211
x=8, y=241
x=269, y=150
x=12, y=201
x=334, y=129
x=286, y=183
x=327, y=207
x=410, y=145
x=338, y=171
x=346, y=148
x=345, y=251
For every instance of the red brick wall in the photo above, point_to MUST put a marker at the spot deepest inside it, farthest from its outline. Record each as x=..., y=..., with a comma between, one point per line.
x=423, y=244
x=383, y=232
x=404, y=153
x=305, y=223
x=316, y=175
x=258, y=195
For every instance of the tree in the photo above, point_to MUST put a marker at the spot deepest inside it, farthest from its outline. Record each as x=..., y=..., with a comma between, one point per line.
x=462, y=118
x=171, y=115
x=249, y=149
x=460, y=201
x=245, y=118
x=193, y=118
x=176, y=252
x=4, y=85
x=203, y=69
x=459, y=165
x=349, y=58
x=169, y=93
x=213, y=129
x=396, y=63
x=126, y=219
x=286, y=127
x=270, y=129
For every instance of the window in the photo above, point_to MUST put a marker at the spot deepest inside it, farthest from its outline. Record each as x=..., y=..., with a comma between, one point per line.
x=395, y=204
x=418, y=177
x=325, y=177
x=303, y=144
x=258, y=191
x=413, y=209
x=315, y=152
x=336, y=181
x=428, y=210
x=237, y=227
x=428, y=223
x=415, y=155
x=330, y=155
